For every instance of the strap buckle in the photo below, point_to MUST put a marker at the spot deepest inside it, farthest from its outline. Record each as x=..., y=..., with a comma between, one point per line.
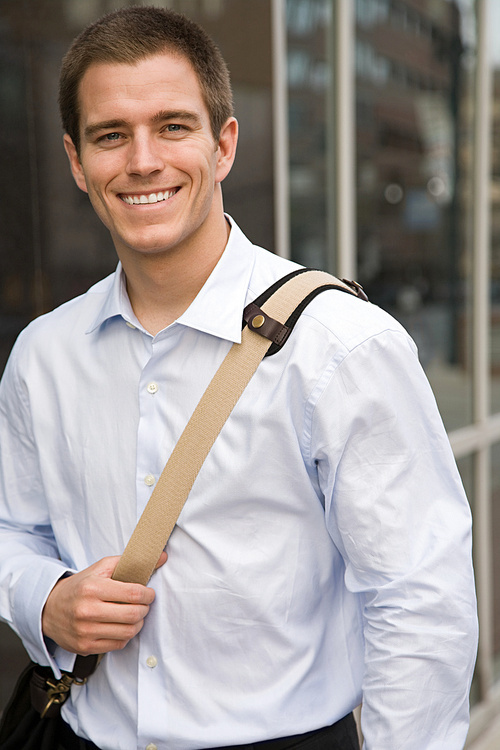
x=357, y=288
x=260, y=322
x=57, y=693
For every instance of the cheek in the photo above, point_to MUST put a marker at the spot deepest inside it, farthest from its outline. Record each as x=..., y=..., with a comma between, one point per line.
x=98, y=178
x=193, y=160
x=100, y=171
x=100, y=205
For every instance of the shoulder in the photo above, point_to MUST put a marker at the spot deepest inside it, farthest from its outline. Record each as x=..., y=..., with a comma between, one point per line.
x=351, y=321
x=339, y=317
x=267, y=269
x=67, y=321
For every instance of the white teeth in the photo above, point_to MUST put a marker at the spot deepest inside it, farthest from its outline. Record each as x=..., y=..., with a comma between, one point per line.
x=152, y=198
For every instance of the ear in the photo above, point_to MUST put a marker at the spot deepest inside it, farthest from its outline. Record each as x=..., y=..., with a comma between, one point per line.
x=226, y=150
x=74, y=163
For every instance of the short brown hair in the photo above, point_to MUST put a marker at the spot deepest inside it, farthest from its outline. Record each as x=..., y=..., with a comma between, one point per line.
x=131, y=34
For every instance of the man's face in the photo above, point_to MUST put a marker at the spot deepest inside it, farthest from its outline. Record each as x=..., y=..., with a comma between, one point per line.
x=148, y=159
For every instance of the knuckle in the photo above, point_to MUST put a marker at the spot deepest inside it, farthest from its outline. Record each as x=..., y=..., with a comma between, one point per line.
x=82, y=614
x=136, y=614
x=136, y=595
x=84, y=635
x=130, y=632
x=88, y=589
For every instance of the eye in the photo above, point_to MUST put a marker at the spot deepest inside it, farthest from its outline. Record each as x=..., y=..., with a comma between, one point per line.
x=174, y=128
x=111, y=136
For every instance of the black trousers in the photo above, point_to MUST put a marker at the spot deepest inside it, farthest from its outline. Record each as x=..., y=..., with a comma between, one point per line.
x=340, y=736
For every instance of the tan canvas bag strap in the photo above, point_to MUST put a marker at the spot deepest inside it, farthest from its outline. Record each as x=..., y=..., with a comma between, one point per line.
x=174, y=485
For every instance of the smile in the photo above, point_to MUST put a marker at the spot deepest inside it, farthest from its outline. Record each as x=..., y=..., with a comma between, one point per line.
x=143, y=199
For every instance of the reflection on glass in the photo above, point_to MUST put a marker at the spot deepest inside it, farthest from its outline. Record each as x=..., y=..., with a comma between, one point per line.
x=53, y=246
x=494, y=11
x=309, y=80
x=243, y=32
x=414, y=67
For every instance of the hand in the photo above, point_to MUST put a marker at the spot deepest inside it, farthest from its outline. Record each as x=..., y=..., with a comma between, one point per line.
x=89, y=613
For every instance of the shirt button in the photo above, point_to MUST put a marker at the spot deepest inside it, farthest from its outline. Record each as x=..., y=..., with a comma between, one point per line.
x=152, y=661
x=152, y=387
x=130, y=325
x=149, y=480
x=151, y=746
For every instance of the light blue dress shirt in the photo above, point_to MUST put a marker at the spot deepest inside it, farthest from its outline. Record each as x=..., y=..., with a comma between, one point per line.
x=323, y=556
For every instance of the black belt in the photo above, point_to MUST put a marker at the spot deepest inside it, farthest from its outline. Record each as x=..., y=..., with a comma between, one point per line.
x=339, y=736
x=343, y=731
x=68, y=740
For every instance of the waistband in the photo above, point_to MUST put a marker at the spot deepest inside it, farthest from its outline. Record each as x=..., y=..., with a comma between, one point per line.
x=343, y=730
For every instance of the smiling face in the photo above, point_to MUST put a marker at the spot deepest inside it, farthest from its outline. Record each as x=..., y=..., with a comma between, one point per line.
x=148, y=159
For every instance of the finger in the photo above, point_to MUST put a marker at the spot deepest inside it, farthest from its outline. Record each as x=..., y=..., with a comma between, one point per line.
x=162, y=560
x=111, y=631
x=119, y=614
x=104, y=567
x=103, y=646
x=109, y=638
x=108, y=590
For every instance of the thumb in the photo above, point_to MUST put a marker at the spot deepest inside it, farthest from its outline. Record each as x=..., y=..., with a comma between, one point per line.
x=105, y=567
x=162, y=560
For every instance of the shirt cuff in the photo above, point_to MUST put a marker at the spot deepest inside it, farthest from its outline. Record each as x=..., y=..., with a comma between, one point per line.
x=28, y=601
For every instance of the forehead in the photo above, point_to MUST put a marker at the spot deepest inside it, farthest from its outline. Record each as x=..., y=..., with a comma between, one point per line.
x=164, y=80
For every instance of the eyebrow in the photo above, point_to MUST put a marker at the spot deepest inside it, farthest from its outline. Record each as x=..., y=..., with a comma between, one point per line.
x=161, y=116
x=177, y=114
x=91, y=130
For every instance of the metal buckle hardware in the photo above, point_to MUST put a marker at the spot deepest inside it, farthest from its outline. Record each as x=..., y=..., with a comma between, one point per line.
x=357, y=288
x=58, y=691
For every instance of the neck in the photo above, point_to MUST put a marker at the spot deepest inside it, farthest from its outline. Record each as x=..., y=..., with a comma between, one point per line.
x=162, y=286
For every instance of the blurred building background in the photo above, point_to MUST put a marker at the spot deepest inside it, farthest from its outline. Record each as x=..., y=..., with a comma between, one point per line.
x=370, y=146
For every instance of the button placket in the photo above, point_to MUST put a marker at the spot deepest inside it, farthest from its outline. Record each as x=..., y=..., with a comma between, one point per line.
x=150, y=426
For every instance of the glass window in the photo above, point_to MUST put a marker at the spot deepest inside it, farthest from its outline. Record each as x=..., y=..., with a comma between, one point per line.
x=243, y=32
x=17, y=257
x=494, y=10
x=414, y=74
x=309, y=24
x=53, y=247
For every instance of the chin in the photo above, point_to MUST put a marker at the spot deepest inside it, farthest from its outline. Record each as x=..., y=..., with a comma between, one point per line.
x=149, y=245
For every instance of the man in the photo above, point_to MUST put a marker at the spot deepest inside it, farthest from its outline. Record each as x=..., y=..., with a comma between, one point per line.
x=323, y=557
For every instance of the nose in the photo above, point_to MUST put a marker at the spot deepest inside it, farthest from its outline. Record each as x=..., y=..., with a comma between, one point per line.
x=144, y=156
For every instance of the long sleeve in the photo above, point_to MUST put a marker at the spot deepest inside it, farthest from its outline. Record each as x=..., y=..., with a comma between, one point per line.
x=397, y=512
x=324, y=551
x=29, y=560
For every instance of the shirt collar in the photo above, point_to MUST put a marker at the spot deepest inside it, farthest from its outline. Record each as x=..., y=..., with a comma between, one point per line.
x=218, y=307
x=115, y=303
